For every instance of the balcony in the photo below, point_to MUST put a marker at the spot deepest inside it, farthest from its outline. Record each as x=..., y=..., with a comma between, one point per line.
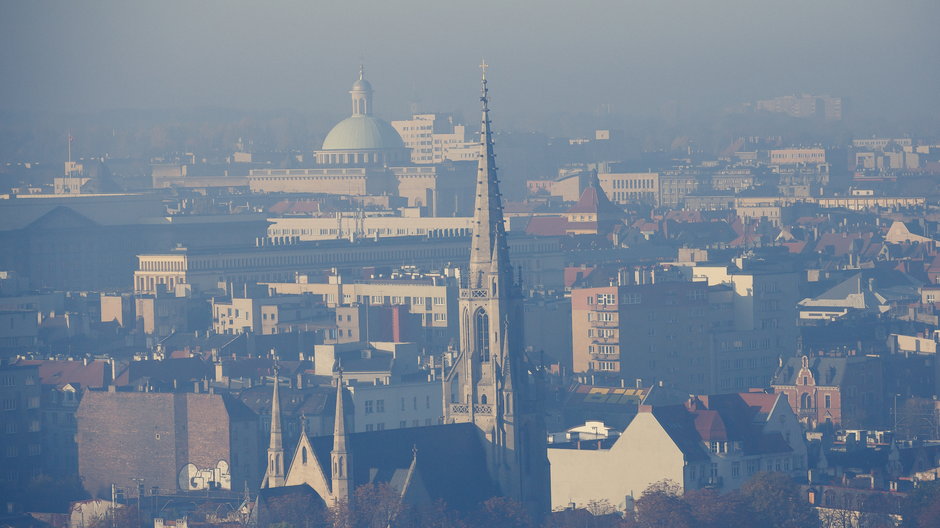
x=464, y=409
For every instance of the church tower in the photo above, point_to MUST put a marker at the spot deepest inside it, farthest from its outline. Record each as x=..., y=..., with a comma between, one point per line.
x=361, y=95
x=339, y=456
x=274, y=475
x=490, y=384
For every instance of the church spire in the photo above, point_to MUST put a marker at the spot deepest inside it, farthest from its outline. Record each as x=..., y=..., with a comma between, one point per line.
x=274, y=476
x=340, y=488
x=489, y=252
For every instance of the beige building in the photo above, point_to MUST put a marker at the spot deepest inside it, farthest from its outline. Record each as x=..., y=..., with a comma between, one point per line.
x=634, y=187
x=540, y=260
x=798, y=156
x=267, y=315
x=355, y=226
x=717, y=441
x=649, y=333
x=763, y=301
x=435, y=138
x=862, y=203
x=430, y=300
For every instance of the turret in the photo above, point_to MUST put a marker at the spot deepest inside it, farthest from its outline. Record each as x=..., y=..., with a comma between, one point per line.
x=274, y=476
x=339, y=456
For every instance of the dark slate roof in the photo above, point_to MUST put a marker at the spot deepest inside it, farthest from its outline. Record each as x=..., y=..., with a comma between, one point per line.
x=451, y=461
x=827, y=371
x=718, y=418
x=311, y=401
x=166, y=371
x=680, y=426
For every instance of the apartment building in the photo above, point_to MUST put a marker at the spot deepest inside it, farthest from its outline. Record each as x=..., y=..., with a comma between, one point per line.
x=648, y=333
x=763, y=302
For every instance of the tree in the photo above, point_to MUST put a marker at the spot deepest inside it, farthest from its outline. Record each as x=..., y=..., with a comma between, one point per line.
x=118, y=517
x=921, y=509
x=294, y=510
x=712, y=509
x=47, y=494
x=776, y=502
x=660, y=505
x=501, y=512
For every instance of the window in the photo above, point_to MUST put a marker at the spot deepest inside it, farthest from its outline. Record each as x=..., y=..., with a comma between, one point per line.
x=402, y=424
x=370, y=427
x=9, y=404
x=632, y=298
x=380, y=406
x=369, y=407
x=483, y=334
x=736, y=469
x=606, y=298
x=828, y=401
x=380, y=427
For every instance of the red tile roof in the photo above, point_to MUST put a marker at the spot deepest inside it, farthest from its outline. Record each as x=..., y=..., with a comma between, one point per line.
x=63, y=372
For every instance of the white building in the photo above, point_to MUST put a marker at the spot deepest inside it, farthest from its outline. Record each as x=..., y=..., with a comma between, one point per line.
x=435, y=138
x=711, y=441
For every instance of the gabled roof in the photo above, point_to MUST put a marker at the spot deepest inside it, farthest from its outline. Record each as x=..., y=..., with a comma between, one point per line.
x=827, y=371
x=594, y=201
x=451, y=462
x=719, y=418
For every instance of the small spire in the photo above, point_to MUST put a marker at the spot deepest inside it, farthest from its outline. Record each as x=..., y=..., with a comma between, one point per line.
x=362, y=71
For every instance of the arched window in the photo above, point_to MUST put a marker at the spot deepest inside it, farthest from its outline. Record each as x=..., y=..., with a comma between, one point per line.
x=804, y=401
x=483, y=334
x=340, y=472
x=303, y=455
x=483, y=399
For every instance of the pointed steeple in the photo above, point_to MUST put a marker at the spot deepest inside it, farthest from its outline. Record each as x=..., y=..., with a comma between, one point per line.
x=488, y=252
x=274, y=476
x=342, y=465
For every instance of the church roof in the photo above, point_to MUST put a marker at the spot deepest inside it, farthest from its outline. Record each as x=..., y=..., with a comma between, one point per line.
x=450, y=460
x=362, y=132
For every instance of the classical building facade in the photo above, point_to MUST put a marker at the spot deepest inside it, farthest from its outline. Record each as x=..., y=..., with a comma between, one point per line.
x=364, y=155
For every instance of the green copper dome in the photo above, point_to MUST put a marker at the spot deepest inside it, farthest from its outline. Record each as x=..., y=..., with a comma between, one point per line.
x=362, y=132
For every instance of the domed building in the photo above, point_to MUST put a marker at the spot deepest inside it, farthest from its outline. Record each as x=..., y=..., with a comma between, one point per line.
x=365, y=156
x=363, y=139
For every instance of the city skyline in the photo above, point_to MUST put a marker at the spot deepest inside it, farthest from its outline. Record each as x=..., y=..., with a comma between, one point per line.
x=640, y=56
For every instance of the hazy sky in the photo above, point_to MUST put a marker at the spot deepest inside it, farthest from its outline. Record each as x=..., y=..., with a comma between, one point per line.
x=545, y=56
